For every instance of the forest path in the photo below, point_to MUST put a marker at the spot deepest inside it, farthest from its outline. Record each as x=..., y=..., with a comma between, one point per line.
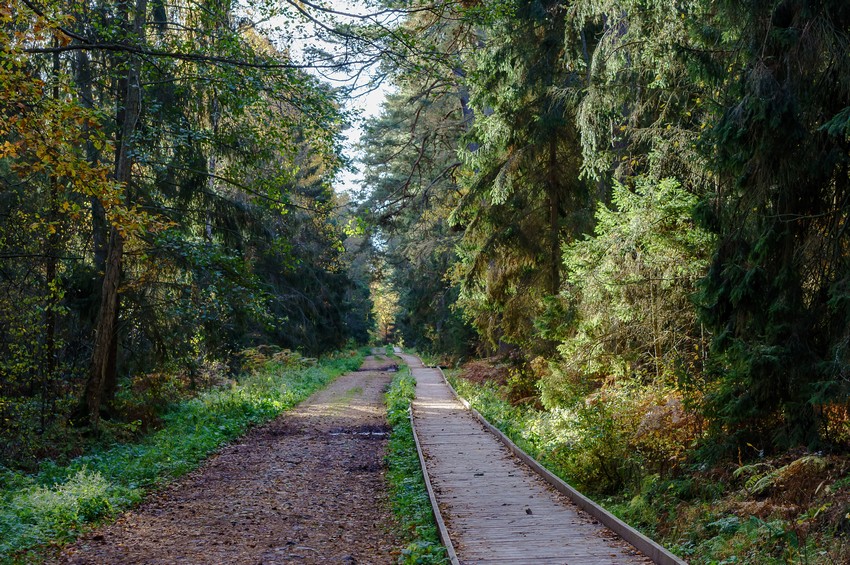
x=497, y=511
x=308, y=487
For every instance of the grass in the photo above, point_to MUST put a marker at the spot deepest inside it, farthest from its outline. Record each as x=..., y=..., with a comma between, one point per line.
x=410, y=500
x=52, y=507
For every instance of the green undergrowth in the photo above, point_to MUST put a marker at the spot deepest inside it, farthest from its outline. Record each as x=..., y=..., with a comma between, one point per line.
x=794, y=508
x=53, y=506
x=407, y=485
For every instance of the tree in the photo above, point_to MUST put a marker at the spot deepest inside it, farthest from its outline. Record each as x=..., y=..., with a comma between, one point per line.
x=523, y=194
x=411, y=179
x=628, y=314
x=180, y=198
x=103, y=376
x=46, y=179
x=411, y=163
x=776, y=291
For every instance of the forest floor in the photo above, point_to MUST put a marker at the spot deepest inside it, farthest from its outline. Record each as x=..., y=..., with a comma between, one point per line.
x=308, y=487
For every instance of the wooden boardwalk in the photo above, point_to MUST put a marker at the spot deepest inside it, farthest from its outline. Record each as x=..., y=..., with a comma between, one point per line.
x=495, y=508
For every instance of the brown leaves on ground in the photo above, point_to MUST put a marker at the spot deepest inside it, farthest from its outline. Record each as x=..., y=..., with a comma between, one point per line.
x=307, y=488
x=490, y=370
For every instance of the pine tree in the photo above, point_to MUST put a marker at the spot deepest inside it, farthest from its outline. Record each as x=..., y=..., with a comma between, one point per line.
x=524, y=196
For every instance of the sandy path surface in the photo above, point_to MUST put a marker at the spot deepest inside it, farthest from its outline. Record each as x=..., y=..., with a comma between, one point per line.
x=307, y=488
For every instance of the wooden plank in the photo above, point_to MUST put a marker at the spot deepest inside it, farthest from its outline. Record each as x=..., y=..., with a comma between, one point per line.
x=483, y=491
x=579, y=560
x=649, y=547
x=484, y=488
x=441, y=526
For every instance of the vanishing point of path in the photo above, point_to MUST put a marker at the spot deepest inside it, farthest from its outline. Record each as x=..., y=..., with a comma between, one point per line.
x=496, y=509
x=307, y=488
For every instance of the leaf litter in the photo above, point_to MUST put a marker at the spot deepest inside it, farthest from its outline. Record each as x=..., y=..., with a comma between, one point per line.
x=308, y=487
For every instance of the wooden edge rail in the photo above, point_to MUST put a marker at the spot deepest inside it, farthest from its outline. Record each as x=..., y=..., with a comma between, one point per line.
x=642, y=543
x=442, y=531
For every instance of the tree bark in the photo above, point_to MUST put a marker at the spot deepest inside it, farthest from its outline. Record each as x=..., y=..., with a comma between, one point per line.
x=554, y=219
x=103, y=373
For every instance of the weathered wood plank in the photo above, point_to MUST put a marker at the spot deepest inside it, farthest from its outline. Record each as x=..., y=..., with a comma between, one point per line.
x=485, y=493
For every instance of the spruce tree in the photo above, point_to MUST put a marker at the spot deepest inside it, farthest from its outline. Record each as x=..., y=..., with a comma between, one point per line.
x=523, y=194
x=777, y=290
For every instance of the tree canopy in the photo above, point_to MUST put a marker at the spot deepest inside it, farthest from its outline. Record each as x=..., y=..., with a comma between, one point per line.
x=634, y=193
x=166, y=192
x=615, y=194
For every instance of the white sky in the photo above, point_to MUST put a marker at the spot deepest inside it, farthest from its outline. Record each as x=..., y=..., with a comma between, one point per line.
x=364, y=106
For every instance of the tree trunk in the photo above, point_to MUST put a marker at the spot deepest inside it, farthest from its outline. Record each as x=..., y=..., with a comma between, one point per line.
x=103, y=374
x=103, y=366
x=554, y=190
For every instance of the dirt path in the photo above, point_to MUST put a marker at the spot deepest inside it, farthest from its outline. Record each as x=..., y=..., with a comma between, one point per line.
x=306, y=488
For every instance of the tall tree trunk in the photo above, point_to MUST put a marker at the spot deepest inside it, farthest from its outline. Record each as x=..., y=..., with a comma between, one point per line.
x=103, y=365
x=103, y=374
x=554, y=190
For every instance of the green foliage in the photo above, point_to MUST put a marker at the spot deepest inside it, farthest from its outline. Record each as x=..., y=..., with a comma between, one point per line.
x=776, y=289
x=411, y=162
x=704, y=316
x=706, y=517
x=607, y=443
x=409, y=495
x=224, y=232
x=566, y=103
x=58, y=502
x=629, y=295
x=647, y=96
x=731, y=540
x=523, y=197
x=746, y=105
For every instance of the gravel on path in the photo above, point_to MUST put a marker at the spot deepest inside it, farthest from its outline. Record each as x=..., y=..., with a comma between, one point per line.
x=308, y=487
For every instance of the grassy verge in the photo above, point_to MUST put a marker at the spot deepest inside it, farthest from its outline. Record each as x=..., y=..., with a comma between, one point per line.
x=791, y=509
x=55, y=505
x=409, y=495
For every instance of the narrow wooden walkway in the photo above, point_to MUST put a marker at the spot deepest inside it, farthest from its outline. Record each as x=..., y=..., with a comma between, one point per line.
x=495, y=508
